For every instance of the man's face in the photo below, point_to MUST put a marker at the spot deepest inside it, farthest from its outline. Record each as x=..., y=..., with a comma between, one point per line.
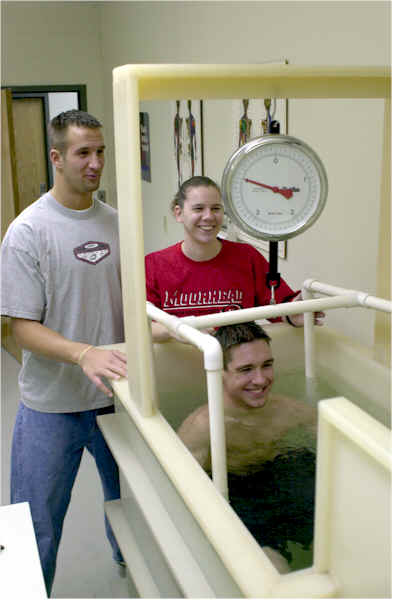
x=83, y=161
x=249, y=375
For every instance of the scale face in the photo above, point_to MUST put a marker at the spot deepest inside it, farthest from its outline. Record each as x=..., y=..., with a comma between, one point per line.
x=274, y=187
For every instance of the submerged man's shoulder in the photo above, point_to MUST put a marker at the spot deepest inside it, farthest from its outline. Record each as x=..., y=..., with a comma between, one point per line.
x=292, y=410
x=197, y=420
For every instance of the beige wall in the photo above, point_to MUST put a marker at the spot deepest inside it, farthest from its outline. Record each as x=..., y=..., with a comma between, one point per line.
x=52, y=43
x=81, y=42
x=342, y=247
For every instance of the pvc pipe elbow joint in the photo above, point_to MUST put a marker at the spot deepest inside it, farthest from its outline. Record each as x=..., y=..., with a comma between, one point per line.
x=212, y=353
x=362, y=298
x=307, y=284
x=211, y=348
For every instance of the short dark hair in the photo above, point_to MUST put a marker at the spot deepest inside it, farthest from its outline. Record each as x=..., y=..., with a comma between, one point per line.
x=193, y=182
x=58, y=126
x=240, y=333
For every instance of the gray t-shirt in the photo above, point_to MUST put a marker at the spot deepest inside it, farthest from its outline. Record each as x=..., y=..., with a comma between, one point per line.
x=61, y=267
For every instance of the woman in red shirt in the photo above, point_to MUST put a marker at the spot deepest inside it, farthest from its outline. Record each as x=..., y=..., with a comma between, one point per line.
x=205, y=274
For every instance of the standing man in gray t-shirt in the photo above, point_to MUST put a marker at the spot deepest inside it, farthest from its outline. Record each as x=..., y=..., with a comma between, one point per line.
x=61, y=287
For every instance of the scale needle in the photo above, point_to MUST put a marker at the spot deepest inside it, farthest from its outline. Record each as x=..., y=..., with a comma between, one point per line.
x=287, y=193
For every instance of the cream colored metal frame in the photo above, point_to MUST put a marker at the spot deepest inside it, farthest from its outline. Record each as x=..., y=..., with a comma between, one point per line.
x=180, y=538
x=132, y=83
x=237, y=551
x=187, y=327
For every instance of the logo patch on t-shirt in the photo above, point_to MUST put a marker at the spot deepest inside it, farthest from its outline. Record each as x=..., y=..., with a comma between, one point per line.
x=92, y=252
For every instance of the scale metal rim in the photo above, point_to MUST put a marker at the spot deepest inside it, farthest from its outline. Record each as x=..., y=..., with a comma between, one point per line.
x=231, y=167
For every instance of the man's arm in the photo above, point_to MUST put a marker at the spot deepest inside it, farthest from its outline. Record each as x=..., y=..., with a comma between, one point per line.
x=95, y=363
x=194, y=433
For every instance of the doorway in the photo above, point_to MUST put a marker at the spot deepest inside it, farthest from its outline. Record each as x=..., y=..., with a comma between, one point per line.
x=26, y=167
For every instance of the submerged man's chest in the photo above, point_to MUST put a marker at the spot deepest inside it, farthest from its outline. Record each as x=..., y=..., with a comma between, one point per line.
x=249, y=446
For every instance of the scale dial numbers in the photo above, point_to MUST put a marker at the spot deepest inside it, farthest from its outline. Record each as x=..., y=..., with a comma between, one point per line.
x=274, y=187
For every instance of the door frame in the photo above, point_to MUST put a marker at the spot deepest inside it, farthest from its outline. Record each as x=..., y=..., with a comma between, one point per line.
x=43, y=91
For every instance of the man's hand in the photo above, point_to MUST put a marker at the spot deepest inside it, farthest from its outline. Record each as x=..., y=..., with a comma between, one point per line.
x=298, y=320
x=97, y=363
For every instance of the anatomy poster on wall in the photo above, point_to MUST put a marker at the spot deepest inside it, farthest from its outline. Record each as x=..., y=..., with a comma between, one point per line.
x=187, y=139
x=145, y=145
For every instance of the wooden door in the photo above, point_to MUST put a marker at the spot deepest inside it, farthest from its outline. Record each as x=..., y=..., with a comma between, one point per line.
x=24, y=169
x=30, y=149
x=9, y=199
x=9, y=185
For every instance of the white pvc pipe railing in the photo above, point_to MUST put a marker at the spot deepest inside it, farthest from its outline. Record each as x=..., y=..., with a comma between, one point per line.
x=362, y=300
x=309, y=339
x=213, y=363
x=270, y=311
x=187, y=328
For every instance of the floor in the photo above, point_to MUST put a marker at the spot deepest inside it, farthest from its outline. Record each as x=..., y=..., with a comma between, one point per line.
x=85, y=568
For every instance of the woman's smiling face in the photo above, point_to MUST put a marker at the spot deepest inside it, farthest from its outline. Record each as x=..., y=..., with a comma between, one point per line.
x=202, y=214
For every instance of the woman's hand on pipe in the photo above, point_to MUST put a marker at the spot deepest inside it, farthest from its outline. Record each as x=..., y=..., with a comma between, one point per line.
x=161, y=334
x=298, y=319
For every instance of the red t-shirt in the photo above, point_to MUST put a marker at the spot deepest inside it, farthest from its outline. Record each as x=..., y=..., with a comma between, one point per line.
x=234, y=279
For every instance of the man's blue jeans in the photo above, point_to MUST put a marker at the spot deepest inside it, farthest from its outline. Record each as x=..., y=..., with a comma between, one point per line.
x=47, y=450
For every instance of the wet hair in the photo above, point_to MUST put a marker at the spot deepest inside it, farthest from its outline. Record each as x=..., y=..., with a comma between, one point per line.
x=193, y=182
x=57, y=128
x=241, y=333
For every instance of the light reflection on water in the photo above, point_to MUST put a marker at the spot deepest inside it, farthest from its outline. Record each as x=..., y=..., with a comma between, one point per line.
x=328, y=385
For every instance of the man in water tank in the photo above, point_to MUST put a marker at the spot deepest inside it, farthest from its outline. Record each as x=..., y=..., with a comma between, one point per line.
x=270, y=444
